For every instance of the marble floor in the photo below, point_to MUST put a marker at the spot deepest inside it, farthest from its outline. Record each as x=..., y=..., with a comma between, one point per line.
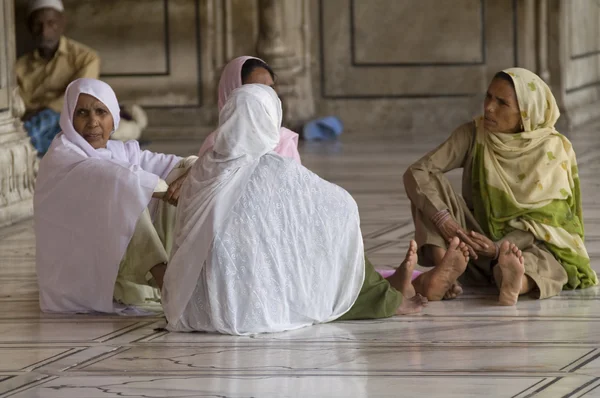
x=468, y=347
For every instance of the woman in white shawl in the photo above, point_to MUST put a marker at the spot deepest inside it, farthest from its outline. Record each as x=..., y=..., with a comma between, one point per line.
x=97, y=246
x=264, y=245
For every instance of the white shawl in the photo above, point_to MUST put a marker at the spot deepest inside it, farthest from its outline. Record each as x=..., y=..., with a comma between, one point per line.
x=86, y=205
x=261, y=243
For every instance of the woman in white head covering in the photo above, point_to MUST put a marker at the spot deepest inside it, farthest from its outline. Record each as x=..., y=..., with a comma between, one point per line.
x=96, y=241
x=264, y=245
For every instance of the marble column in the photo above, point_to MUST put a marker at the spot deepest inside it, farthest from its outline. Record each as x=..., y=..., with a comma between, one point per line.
x=527, y=34
x=557, y=25
x=283, y=43
x=542, y=39
x=18, y=160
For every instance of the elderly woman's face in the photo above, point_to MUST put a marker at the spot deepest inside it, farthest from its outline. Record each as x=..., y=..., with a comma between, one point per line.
x=93, y=121
x=501, y=108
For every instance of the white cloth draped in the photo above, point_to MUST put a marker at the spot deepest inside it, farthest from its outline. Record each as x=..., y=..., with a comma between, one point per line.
x=261, y=243
x=86, y=206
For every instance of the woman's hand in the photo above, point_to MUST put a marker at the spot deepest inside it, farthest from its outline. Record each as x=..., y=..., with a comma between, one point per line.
x=172, y=195
x=450, y=229
x=482, y=245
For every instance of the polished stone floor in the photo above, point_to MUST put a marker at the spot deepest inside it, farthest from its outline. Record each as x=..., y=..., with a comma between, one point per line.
x=464, y=348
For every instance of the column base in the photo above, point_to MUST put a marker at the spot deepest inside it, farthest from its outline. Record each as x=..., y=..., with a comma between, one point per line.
x=18, y=168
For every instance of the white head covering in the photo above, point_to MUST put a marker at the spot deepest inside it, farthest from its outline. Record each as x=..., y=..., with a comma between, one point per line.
x=35, y=5
x=102, y=92
x=243, y=173
x=249, y=123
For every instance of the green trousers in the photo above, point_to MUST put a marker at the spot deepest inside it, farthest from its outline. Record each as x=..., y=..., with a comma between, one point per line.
x=377, y=298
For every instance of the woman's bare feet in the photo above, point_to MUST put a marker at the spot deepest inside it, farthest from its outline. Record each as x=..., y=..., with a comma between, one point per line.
x=512, y=266
x=436, y=283
x=401, y=280
x=434, y=255
x=454, y=291
x=412, y=305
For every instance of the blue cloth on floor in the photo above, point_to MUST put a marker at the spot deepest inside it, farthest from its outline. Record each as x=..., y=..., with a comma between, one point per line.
x=42, y=128
x=324, y=129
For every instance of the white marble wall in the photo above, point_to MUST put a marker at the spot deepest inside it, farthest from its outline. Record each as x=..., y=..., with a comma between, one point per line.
x=381, y=65
x=398, y=65
x=582, y=59
x=148, y=48
x=410, y=64
x=584, y=41
x=167, y=54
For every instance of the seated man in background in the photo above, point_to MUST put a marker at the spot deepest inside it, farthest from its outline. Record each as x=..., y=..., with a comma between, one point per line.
x=44, y=74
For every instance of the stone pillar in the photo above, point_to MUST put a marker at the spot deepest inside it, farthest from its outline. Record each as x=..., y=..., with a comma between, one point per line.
x=542, y=40
x=558, y=57
x=527, y=34
x=18, y=160
x=284, y=44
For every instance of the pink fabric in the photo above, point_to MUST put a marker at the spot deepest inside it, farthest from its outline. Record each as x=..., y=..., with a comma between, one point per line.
x=386, y=273
x=87, y=202
x=231, y=78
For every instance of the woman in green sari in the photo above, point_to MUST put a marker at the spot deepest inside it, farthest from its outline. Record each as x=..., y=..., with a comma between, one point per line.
x=520, y=208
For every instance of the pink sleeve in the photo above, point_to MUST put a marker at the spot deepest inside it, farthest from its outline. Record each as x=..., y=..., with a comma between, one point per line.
x=288, y=145
x=208, y=144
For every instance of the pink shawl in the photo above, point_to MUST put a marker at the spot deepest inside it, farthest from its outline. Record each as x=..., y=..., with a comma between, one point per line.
x=231, y=78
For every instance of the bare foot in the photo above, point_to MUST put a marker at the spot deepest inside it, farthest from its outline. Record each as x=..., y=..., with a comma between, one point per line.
x=512, y=265
x=454, y=291
x=158, y=273
x=440, y=279
x=401, y=280
x=412, y=306
x=463, y=248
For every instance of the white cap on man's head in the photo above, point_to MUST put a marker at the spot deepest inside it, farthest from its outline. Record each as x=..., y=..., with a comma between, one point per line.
x=38, y=4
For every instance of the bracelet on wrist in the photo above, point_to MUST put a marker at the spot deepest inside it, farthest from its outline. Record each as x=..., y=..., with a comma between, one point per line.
x=440, y=217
